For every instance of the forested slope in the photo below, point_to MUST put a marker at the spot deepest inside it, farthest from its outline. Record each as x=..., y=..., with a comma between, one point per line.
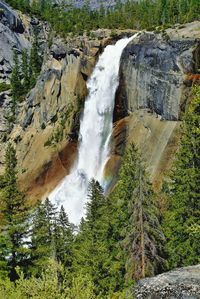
x=136, y=230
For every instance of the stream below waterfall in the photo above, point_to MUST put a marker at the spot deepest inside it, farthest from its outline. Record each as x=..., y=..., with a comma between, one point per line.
x=94, y=136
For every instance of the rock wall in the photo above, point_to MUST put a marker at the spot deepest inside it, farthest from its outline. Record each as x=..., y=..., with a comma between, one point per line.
x=155, y=84
x=48, y=123
x=156, y=73
x=46, y=130
x=183, y=283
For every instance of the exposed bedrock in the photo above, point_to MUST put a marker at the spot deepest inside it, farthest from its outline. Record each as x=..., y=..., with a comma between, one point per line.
x=183, y=283
x=156, y=75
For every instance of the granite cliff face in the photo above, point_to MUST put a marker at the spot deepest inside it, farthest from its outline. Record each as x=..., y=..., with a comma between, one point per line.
x=156, y=74
x=157, y=71
x=183, y=283
x=12, y=37
x=46, y=129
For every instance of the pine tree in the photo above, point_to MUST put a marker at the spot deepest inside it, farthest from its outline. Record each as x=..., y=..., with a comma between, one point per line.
x=118, y=216
x=26, y=72
x=63, y=239
x=183, y=192
x=90, y=249
x=15, y=227
x=35, y=60
x=145, y=239
x=42, y=236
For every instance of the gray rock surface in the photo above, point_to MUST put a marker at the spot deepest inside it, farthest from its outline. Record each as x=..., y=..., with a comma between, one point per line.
x=153, y=72
x=94, y=4
x=183, y=283
x=58, y=52
x=9, y=18
x=11, y=38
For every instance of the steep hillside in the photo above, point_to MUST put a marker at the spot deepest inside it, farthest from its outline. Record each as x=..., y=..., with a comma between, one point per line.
x=155, y=78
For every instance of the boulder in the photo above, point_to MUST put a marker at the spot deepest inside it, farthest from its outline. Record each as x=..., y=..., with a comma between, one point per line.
x=183, y=283
x=58, y=52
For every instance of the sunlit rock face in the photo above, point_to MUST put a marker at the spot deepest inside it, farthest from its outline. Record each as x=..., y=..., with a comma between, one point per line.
x=155, y=83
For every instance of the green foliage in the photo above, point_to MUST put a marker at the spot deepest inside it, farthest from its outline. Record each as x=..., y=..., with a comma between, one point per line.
x=14, y=227
x=24, y=74
x=58, y=133
x=63, y=239
x=181, y=222
x=42, y=245
x=135, y=233
x=4, y=87
x=144, y=238
x=26, y=71
x=91, y=254
x=35, y=61
x=48, y=286
x=132, y=14
x=51, y=237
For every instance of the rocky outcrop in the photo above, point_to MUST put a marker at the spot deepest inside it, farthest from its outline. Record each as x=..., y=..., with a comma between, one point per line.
x=46, y=122
x=12, y=37
x=182, y=283
x=153, y=70
x=155, y=82
x=16, y=34
x=46, y=129
x=10, y=19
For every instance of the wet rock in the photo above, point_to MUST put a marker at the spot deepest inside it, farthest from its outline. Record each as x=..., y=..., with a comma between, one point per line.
x=183, y=283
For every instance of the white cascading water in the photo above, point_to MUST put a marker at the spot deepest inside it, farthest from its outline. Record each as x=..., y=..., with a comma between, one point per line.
x=94, y=136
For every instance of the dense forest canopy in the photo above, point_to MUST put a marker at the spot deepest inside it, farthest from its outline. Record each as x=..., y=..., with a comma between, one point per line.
x=136, y=15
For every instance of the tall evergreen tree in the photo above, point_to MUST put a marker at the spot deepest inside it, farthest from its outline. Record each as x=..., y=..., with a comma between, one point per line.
x=42, y=236
x=184, y=194
x=91, y=252
x=35, y=60
x=118, y=216
x=26, y=71
x=14, y=227
x=63, y=239
x=145, y=239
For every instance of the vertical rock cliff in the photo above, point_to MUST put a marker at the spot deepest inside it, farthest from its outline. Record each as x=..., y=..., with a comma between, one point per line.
x=157, y=72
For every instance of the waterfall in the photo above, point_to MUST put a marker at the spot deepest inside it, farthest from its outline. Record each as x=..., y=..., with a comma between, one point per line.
x=95, y=133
